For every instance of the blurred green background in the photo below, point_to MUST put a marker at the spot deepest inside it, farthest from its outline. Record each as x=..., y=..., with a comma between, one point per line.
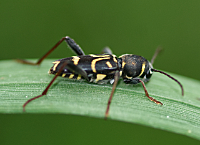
x=31, y=28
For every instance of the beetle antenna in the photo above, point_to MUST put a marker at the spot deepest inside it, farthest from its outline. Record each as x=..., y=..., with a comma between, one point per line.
x=154, y=70
x=158, y=50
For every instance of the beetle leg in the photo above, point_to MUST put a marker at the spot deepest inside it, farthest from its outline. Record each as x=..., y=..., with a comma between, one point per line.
x=107, y=50
x=116, y=78
x=47, y=88
x=75, y=47
x=76, y=69
x=71, y=43
x=67, y=64
x=147, y=94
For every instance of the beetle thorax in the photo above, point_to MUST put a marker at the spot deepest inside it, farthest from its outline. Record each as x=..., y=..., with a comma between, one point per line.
x=134, y=66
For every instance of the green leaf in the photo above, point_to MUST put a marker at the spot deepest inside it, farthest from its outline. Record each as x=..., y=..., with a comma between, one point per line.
x=179, y=114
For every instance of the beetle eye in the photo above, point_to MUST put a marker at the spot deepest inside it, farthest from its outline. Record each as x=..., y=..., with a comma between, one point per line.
x=148, y=75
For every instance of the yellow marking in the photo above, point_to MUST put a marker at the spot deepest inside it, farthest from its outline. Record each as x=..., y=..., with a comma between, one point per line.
x=120, y=73
x=109, y=64
x=79, y=77
x=123, y=64
x=143, y=67
x=71, y=76
x=75, y=60
x=128, y=77
x=63, y=75
x=93, y=64
x=55, y=65
x=114, y=59
x=55, y=62
x=93, y=55
x=100, y=77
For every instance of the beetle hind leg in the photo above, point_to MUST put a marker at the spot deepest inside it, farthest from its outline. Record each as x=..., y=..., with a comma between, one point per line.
x=71, y=43
x=74, y=46
x=65, y=64
x=69, y=70
x=77, y=70
x=47, y=88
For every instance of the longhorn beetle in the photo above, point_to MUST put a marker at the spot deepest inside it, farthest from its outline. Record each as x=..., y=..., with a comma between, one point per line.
x=101, y=68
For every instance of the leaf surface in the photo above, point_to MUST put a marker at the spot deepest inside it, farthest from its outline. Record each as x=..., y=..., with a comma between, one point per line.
x=179, y=114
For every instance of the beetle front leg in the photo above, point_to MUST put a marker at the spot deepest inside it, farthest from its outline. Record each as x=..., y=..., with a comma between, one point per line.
x=147, y=94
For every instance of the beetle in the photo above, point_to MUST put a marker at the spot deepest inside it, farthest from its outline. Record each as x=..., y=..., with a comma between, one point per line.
x=101, y=68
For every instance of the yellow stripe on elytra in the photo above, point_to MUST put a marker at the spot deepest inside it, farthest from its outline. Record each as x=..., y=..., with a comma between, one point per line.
x=75, y=60
x=109, y=64
x=93, y=55
x=55, y=65
x=79, y=77
x=93, y=64
x=63, y=75
x=71, y=76
x=100, y=77
x=143, y=67
x=114, y=59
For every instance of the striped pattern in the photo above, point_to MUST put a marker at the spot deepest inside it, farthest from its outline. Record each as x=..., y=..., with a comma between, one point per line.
x=98, y=67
